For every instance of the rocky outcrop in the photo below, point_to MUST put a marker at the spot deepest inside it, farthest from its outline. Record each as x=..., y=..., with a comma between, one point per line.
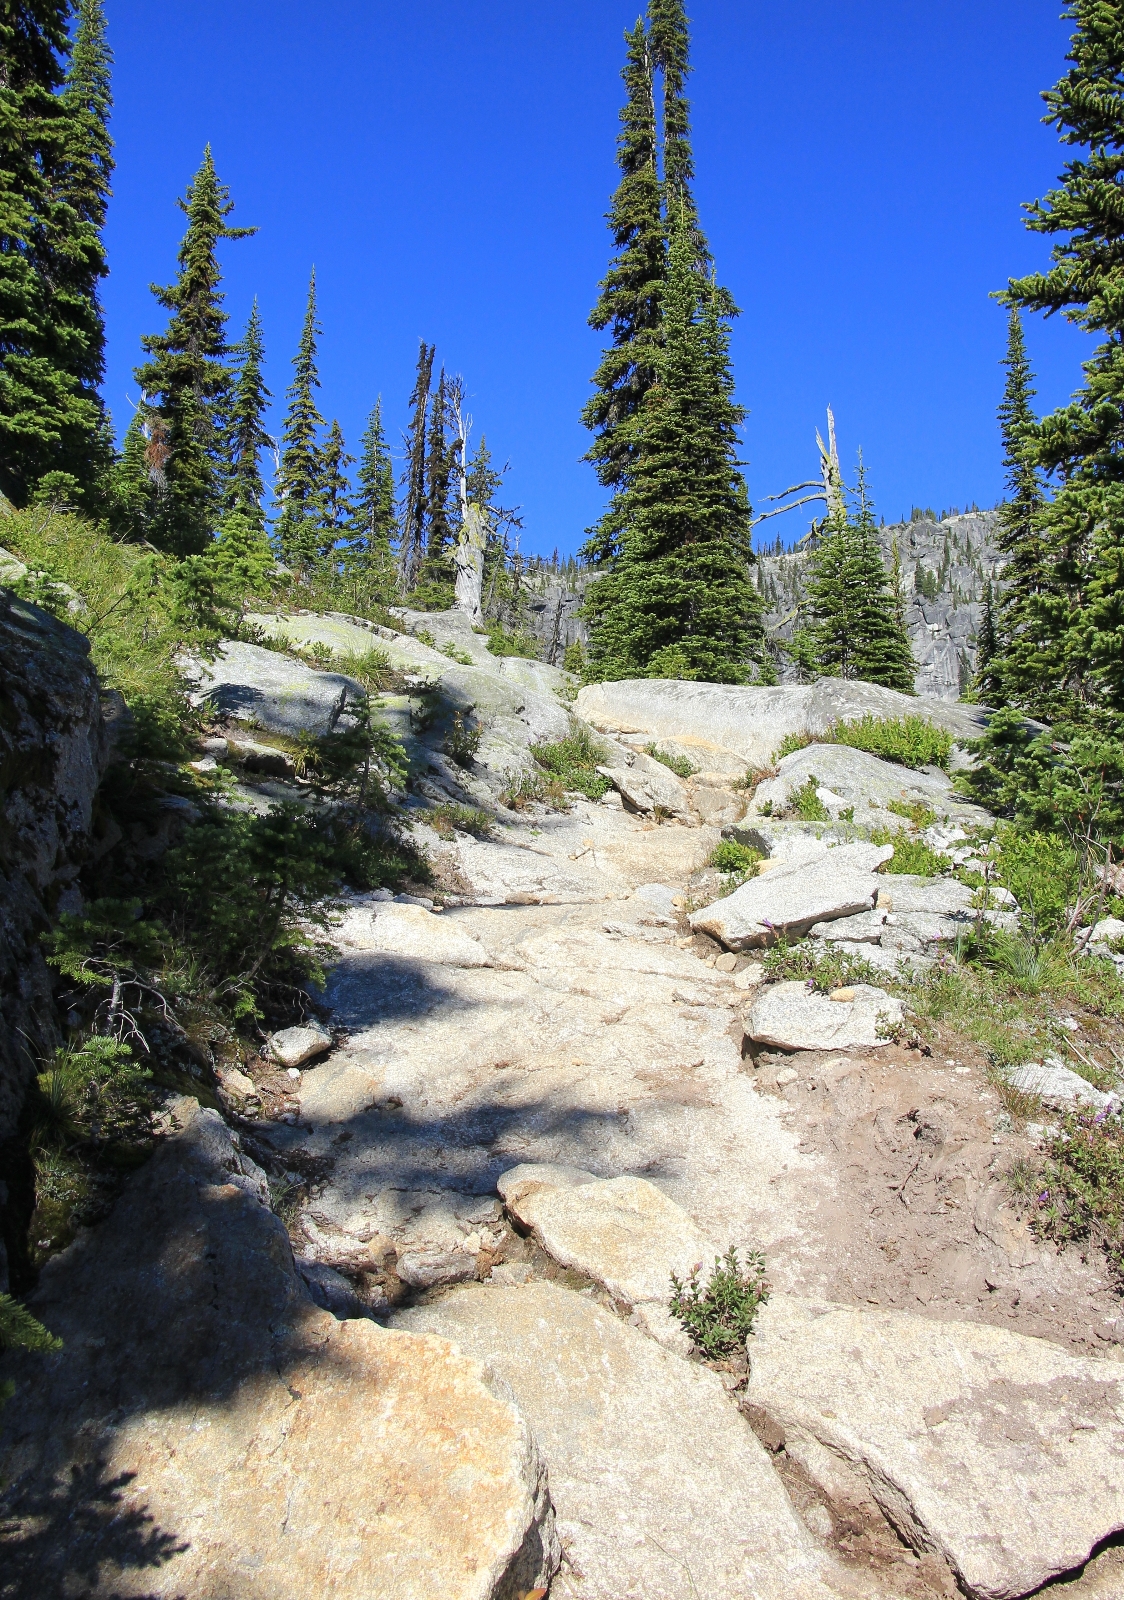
x=862, y=786
x=208, y=1430
x=56, y=731
x=790, y=1016
x=794, y=896
x=1003, y=1453
x=661, y=1490
x=714, y=722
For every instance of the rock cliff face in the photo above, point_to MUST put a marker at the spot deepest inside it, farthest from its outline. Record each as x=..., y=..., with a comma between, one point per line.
x=55, y=737
x=945, y=566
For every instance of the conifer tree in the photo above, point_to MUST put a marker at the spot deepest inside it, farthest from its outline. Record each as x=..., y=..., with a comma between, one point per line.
x=300, y=471
x=369, y=561
x=1077, y=617
x=336, y=510
x=131, y=485
x=186, y=380
x=246, y=435
x=986, y=685
x=412, y=548
x=434, y=589
x=54, y=172
x=679, y=600
x=629, y=302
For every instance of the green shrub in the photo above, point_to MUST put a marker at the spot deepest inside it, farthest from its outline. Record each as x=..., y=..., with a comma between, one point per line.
x=1043, y=871
x=456, y=654
x=806, y=804
x=917, y=812
x=520, y=643
x=1081, y=1194
x=719, y=1315
x=729, y=856
x=523, y=789
x=792, y=742
x=912, y=856
x=462, y=741
x=573, y=660
x=19, y=1330
x=423, y=636
x=910, y=741
x=572, y=762
x=678, y=764
x=815, y=962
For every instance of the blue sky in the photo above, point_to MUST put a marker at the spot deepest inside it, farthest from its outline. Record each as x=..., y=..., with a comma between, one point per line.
x=447, y=166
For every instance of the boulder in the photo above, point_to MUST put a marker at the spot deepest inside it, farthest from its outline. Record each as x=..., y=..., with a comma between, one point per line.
x=411, y=931
x=643, y=782
x=906, y=892
x=1060, y=1088
x=793, y=897
x=250, y=684
x=660, y=1488
x=866, y=928
x=623, y=1232
x=790, y=1016
x=862, y=783
x=56, y=737
x=208, y=1430
x=428, y=1269
x=292, y=1047
x=1002, y=1452
x=751, y=723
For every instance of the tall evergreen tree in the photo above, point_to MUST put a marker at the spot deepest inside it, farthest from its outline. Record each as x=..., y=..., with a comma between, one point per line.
x=434, y=589
x=1078, y=614
x=679, y=600
x=412, y=548
x=300, y=471
x=186, y=380
x=370, y=552
x=336, y=510
x=54, y=172
x=246, y=436
x=630, y=298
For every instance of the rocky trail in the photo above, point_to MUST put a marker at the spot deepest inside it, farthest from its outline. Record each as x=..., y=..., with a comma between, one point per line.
x=448, y=1366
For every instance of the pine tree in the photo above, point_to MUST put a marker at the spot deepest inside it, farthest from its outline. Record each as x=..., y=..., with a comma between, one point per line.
x=434, y=588
x=131, y=485
x=412, y=548
x=369, y=561
x=54, y=171
x=986, y=685
x=679, y=600
x=186, y=381
x=300, y=470
x=629, y=302
x=1077, y=616
x=336, y=510
x=246, y=435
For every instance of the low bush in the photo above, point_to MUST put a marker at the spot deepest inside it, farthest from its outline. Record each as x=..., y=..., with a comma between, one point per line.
x=19, y=1330
x=678, y=764
x=792, y=742
x=917, y=812
x=519, y=643
x=730, y=857
x=910, y=741
x=449, y=819
x=806, y=804
x=1081, y=1186
x=523, y=789
x=462, y=740
x=719, y=1315
x=815, y=962
x=572, y=763
x=910, y=855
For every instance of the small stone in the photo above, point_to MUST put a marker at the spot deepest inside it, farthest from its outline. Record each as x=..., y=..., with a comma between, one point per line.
x=509, y=1274
x=293, y=1072
x=750, y=975
x=786, y=1076
x=208, y=764
x=235, y=1082
x=427, y=1269
x=726, y=963
x=843, y=995
x=884, y=900
x=292, y=1047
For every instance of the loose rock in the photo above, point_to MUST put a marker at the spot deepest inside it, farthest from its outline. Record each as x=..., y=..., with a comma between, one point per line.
x=793, y=898
x=292, y=1047
x=790, y=1016
x=1060, y=1088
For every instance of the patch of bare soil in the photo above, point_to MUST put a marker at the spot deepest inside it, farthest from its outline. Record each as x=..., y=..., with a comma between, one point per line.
x=921, y=1217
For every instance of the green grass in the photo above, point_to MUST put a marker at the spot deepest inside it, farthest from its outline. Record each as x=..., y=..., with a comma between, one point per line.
x=719, y=1315
x=1080, y=1187
x=678, y=764
x=572, y=763
x=814, y=962
x=917, y=812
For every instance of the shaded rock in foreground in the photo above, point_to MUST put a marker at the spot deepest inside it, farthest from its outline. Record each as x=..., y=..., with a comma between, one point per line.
x=1002, y=1452
x=660, y=1488
x=792, y=898
x=790, y=1016
x=208, y=1431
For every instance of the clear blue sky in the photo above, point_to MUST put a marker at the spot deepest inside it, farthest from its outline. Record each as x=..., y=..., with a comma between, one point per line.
x=447, y=167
